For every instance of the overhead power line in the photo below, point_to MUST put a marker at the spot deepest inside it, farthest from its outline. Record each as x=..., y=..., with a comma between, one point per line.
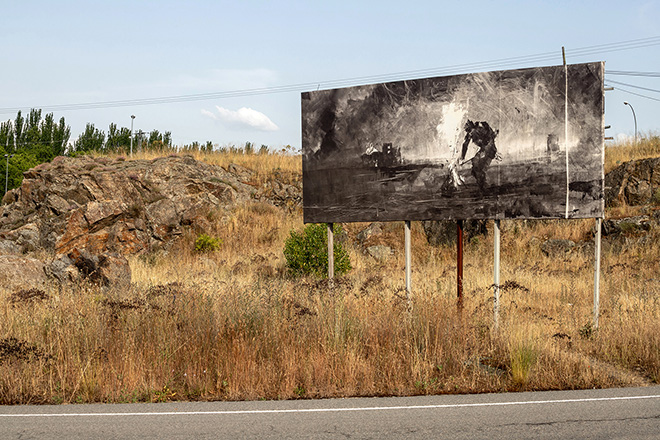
x=633, y=86
x=457, y=68
x=634, y=93
x=633, y=73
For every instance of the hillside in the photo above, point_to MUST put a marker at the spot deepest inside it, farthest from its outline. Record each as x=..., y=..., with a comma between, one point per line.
x=231, y=323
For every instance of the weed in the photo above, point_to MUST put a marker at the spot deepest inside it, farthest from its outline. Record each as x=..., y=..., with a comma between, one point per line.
x=207, y=243
x=522, y=359
x=586, y=331
x=299, y=391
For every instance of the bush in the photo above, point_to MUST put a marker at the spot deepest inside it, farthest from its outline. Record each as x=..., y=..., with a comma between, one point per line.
x=306, y=252
x=206, y=243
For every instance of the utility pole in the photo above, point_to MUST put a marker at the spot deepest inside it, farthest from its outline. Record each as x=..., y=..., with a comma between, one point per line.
x=132, y=119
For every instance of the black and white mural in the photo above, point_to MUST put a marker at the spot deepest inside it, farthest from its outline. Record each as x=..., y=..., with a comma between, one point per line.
x=509, y=144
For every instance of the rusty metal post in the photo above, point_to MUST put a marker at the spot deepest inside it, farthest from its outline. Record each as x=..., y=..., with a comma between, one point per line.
x=459, y=263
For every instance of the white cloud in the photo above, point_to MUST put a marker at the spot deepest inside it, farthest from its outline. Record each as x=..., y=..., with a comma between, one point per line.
x=242, y=118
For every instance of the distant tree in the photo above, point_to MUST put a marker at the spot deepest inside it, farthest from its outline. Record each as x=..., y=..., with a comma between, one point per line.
x=249, y=148
x=31, y=140
x=6, y=136
x=155, y=138
x=118, y=139
x=92, y=139
x=60, y=138
x=18, y=132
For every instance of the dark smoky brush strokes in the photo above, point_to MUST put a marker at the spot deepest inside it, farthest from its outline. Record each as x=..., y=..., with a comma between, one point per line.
x=485, y=145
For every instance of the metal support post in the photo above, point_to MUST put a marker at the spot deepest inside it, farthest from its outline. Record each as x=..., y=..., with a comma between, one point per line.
x=599, y=223
x=496, y=274
x=408, y=262
x=331, y=253
x=459, y=263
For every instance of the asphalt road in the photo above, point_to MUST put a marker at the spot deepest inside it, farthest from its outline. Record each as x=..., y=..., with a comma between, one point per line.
x=589, y=414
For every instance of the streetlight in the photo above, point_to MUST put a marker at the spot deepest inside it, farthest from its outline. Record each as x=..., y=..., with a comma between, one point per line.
x=634, y=117
x=132, y=119
x=7, y=157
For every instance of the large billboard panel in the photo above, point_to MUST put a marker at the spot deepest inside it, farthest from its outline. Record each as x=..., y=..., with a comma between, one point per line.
x=524, y=143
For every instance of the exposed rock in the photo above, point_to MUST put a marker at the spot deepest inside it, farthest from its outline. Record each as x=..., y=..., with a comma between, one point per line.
x=379, y=252
x=443, y=232
x=555, y=247
x=634, y=183
x=124, y=207
x=20, y=272
x=627, y=226
x=9, y=247
x=373, y=229
x=284, y=191
x=108, y=270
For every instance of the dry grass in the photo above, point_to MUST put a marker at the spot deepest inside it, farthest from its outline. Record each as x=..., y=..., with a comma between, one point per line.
x=231, y=324
x=646, y=146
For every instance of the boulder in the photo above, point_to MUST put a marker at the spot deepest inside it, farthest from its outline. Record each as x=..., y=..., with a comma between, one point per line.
x=634, y=183
x=107, y=270
x=21, y=272
x=379, y=252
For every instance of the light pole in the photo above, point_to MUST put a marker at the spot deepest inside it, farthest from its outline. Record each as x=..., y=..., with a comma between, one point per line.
x=634, y=117
x=7, y=157
x=132, y=119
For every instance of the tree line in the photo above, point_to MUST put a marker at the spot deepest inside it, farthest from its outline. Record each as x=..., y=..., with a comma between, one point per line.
x=29, y=140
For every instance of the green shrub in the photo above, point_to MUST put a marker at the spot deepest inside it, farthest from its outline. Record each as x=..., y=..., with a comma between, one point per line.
x=206, y=243
x=306, y=252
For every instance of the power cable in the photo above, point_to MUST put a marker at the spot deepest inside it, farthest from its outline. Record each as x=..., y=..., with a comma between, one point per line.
x=634, y=86
x=636, y=94
x=632, y=73
x=491, y=64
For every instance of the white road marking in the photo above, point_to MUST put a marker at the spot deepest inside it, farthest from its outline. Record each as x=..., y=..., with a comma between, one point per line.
x=322, y=410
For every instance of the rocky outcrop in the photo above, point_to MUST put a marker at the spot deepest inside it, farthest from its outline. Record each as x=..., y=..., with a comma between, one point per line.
x=106, y=270
x=21, y=272
x=634, y=183
x=105, y=206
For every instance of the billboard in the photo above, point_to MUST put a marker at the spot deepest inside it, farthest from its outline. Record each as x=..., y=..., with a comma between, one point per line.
x=524, y=143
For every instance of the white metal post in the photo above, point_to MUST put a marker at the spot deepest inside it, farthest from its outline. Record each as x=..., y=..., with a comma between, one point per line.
x=408, y=261
x=331, y=253
x=599, y=224
x=496, y=274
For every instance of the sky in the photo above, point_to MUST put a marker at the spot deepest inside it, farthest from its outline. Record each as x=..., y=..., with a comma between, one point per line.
x=110, y=58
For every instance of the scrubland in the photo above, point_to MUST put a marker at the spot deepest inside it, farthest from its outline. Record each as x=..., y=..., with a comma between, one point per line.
x=232, y=324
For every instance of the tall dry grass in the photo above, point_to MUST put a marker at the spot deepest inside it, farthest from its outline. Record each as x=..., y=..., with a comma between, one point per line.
x=646, y=146
x=231, y=324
